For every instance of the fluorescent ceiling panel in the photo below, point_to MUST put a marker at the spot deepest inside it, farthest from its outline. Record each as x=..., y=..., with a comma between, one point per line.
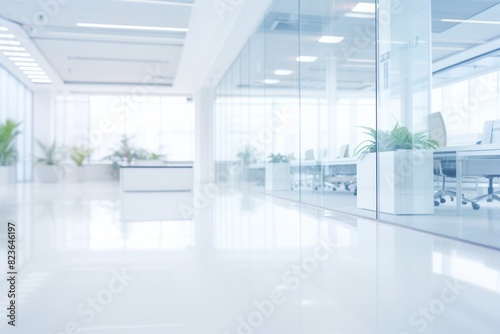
x=307, y=59
x=158, y=2
x=17, y=54
x=331, y=39
x=21, y=59
x=364, y=7
x=470, y=21
x=10, y=42
x=12, y=48
x=271, y=81
x=130, y=27
x=283, y=72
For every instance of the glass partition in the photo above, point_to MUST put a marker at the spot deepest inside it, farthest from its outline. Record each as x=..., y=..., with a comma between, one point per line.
x=371, y=108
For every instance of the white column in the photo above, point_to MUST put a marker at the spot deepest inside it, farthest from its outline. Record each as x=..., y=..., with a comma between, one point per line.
x=43, y=117
x=204, y=143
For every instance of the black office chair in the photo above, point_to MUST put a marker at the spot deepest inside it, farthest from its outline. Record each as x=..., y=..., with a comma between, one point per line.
x=445, y=168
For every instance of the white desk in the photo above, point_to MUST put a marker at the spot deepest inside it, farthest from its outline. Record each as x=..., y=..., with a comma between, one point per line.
x=462, y=154
x=156, y=178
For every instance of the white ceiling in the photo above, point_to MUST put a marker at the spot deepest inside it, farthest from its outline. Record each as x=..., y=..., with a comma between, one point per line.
x=98, y=59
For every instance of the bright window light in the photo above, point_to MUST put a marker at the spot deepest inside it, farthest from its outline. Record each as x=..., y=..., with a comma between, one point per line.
x=470, y=21
x=21, y=59
x=3, y=29
x=22, y=63
x=17, y=54
x=364, y=7
x=331, y=39
x=271, y=81
x=10, y=42
x=283, y=72
x=12, y=48
x=128, y=27
x=7, y=36
x=307, y=59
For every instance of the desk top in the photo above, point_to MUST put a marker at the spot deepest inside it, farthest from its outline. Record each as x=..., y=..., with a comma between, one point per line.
x=469, y=148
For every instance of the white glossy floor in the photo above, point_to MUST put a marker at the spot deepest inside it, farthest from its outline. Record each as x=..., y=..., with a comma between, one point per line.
x=94, y=262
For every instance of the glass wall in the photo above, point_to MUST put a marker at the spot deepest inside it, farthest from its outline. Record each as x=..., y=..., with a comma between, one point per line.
x=288, y=112
x=372, y=108
x=162, y=125
x=16, y=103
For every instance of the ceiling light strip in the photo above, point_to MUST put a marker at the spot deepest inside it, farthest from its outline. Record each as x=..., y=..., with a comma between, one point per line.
x=157, y=2
x=130, y=27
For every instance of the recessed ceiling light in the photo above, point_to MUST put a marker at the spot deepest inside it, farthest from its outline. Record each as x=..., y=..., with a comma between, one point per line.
x=359, y=15
x=10, y=42
x=3, y=29
x=356, y=60
x=271, y=81
x=470, y=21
x=7, y=36
x=21, y=59
x=307, y=59
x=26, y=68
x=17, y=54
x=22, y=63
x=37, y=76
x=158, y=2
x=283, y=72
x=331, y=39
x=448, y=48
x=34, y=72
x=129, y=27
x=41, y=80
x=364, y=7
x=12, y=48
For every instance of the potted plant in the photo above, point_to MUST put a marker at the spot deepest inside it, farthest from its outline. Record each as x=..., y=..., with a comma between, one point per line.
x=124, y=154
x=146, y=158
x=406, y=171
x=278, y=173
x=247, y=156
x=9, y=130
x=78, y=154
x=48, y=166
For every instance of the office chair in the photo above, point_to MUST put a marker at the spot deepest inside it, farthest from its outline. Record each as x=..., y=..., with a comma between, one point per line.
x=446, y=168
x=490, y=167
x=308, y=174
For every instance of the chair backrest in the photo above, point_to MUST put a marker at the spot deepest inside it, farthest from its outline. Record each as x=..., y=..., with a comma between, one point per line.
x=438, y=128
x=344, y=151
x=309, y=155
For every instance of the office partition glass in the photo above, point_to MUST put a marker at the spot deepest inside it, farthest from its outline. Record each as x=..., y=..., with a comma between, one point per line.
x=338, y=70
x=358, y=86
x=405, y=164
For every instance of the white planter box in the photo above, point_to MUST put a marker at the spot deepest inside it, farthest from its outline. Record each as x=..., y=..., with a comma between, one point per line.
x=278, y=176
x=8, y=174
x=406, y=182
x=47, y=174
x=135, y=178
x=90, y=173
